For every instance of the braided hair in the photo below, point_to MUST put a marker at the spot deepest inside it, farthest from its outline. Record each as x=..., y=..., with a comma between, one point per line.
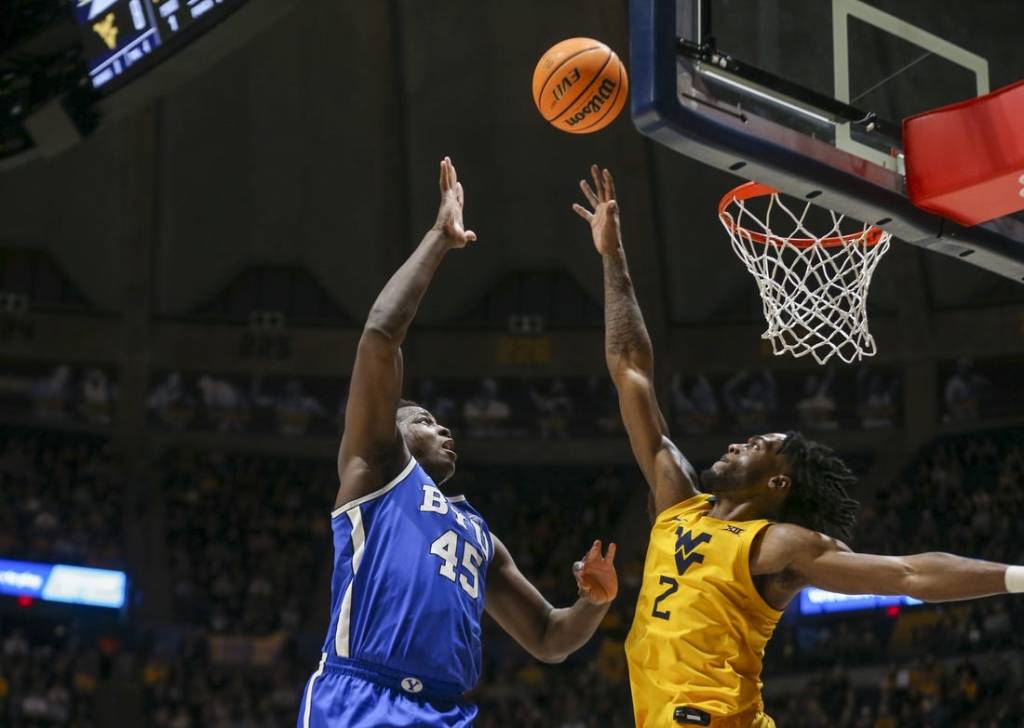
x=817, y=497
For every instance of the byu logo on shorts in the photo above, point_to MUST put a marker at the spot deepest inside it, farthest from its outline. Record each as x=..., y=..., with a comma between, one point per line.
x=411, y=685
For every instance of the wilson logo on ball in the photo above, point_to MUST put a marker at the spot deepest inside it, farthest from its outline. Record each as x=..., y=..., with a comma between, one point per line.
x=594, y=105
x=580, y=85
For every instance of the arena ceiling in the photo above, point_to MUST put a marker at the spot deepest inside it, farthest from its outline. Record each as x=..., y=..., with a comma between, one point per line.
x=317, y=146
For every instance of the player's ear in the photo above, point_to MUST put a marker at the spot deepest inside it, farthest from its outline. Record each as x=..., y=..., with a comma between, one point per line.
x=780, y=482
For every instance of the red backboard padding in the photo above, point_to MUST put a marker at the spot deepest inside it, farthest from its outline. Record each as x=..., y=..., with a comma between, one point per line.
x=965, y=161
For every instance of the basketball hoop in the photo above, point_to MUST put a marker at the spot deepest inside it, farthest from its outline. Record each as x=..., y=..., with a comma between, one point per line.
x=814, y=288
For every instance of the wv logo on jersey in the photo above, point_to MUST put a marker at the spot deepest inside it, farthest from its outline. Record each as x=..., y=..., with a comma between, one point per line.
x=686, y=544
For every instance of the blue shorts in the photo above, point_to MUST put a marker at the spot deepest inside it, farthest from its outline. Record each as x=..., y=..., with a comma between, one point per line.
x=337, y=697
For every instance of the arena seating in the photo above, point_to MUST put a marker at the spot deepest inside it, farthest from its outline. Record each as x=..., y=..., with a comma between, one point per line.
x=244, y=534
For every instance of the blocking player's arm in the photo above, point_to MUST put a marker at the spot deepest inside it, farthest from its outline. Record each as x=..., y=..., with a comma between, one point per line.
x=630, y=355
x=372, y=450
x=828, y=563
x=547, y=633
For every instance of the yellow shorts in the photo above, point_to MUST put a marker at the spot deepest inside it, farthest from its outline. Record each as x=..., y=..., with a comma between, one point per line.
x=747, y=719
x=759, y=720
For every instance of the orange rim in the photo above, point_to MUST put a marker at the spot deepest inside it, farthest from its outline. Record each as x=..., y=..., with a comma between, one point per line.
x=749, y=190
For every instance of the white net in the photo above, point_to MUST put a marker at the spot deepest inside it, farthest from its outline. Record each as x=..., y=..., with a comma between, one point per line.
x=814, y=286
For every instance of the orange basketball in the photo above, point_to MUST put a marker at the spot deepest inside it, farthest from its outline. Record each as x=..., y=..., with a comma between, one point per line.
x=580, y=85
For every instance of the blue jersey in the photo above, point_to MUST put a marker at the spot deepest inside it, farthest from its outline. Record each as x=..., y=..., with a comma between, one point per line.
x=407, y=593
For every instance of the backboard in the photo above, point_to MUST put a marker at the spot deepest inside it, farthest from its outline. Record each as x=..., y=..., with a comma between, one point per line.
x=808, y=96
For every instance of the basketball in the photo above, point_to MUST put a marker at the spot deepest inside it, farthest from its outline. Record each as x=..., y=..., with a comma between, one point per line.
x=580, y=85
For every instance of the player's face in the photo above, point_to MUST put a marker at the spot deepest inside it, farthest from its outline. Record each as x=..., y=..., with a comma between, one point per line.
x=429, y=442
x=747, y=465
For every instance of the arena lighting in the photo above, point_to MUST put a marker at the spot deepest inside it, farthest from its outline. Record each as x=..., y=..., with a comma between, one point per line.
x=62, y=583
x=819, y=601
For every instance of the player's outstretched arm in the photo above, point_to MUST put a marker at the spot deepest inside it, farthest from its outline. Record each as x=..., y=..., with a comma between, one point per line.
x=827, y=563
x=372, y=451
x=630, y=355
x=547, y=633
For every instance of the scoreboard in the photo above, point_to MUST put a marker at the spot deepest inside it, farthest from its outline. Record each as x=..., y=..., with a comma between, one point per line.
x=122, y=38
x=63, y=583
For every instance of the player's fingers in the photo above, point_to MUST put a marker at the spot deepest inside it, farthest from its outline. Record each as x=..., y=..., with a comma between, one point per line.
x=609, y=185
x=595, y=551
x=447, y=174
x=581, y=576
x=578, y=574
x=470, y=236
x=440, y=181
x=610, y=556
x=583, y=212
x=588, y=193
x=460, y=194
x=595, y=173
x=453, y=176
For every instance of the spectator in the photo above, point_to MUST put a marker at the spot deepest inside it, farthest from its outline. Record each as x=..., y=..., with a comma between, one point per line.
x=294, y=411
x=694, y=404
x=602, y=405
x=51, y=395
x=96, y=397
x=172, y=403
x=553, y=410
x=227, y=409
x=964, y=392
x=436, y=402
x=876, y=400
x=751, y=398
x=486, y=415
x=816, y=407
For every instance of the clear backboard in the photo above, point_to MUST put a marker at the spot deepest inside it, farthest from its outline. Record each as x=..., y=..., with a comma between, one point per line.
x=808, y=96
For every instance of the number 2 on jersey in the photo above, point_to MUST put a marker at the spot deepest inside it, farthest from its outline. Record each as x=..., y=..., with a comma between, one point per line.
x=672, y=589
x=446, y=547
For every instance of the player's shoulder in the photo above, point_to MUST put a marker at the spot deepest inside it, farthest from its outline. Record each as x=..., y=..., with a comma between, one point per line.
x=690, y=505
x=793, y=541
x=360, y=483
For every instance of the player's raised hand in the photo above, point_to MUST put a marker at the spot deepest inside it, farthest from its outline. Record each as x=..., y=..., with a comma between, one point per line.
x=449, y=213
x=604, y=213
x=595, y=575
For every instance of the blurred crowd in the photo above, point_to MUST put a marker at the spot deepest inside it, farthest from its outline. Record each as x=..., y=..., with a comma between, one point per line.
x=828, y=400
x=62, y=394
x=62, y=498
x=925, y=693
x=247, y=535
x=700, y=403
x=185, y=686
x=547, y=408
x=263, y=538
x=548, y=517
x=245, y=538
x=48, y=675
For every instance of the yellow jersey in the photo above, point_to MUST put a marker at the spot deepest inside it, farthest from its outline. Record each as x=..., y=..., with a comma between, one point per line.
x=701, y=626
